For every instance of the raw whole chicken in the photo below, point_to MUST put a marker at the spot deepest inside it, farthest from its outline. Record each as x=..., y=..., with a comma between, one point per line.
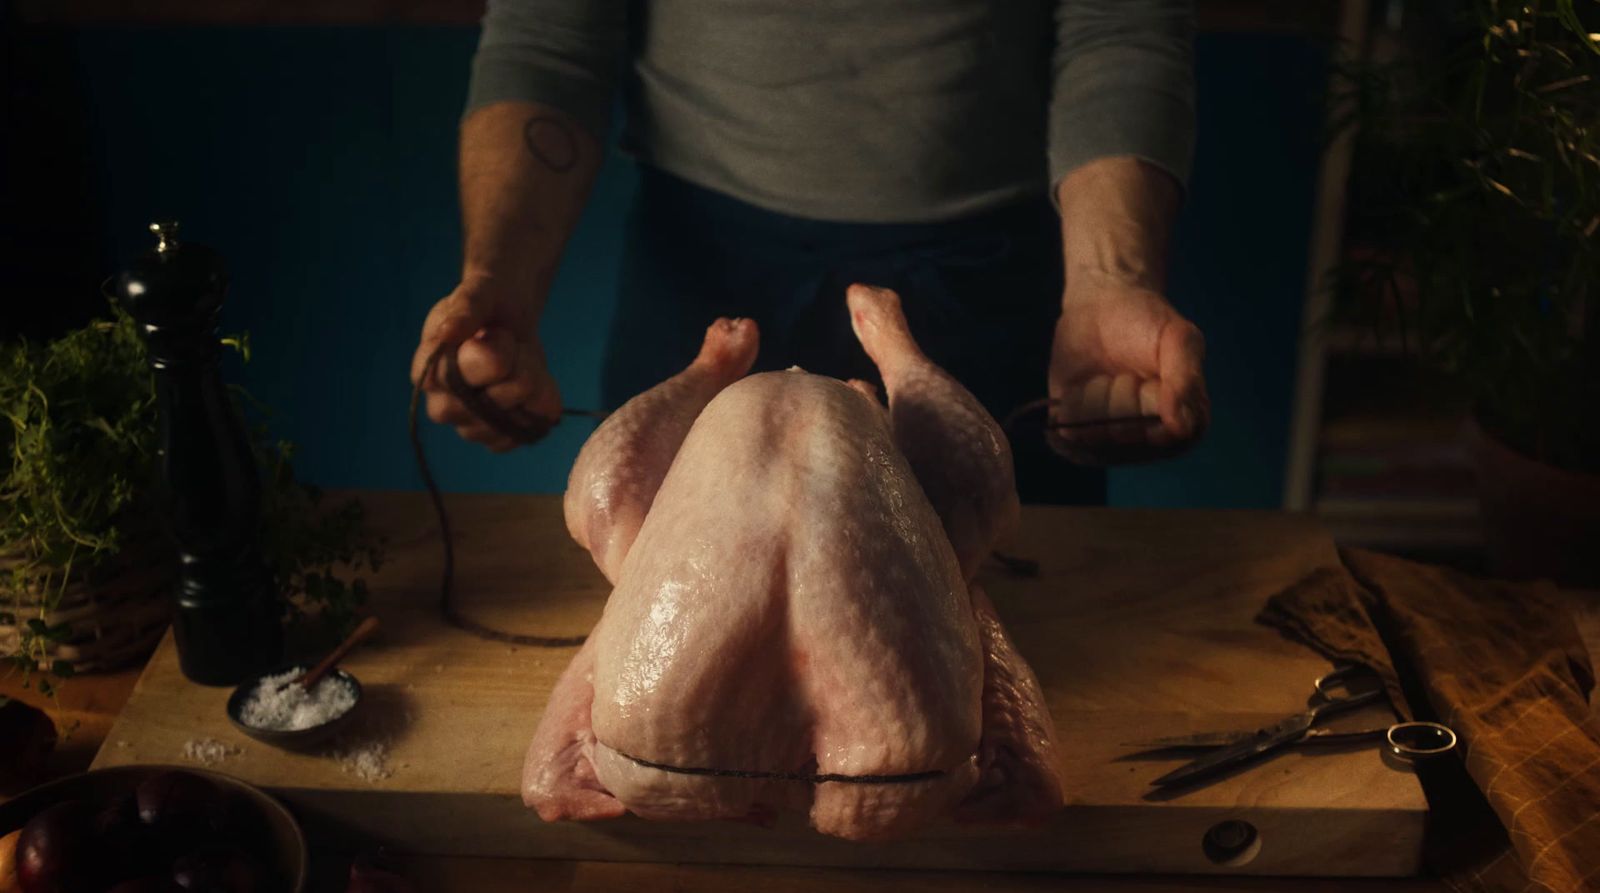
x=793, y=623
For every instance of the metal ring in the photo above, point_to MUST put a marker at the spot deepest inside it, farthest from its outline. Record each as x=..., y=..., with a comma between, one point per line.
x=1442, y=733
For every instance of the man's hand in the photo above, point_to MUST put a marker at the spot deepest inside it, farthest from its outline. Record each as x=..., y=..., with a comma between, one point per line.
x=496, y=348
x=1122, y=352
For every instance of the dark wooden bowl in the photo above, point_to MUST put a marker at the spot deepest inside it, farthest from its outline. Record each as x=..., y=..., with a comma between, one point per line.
x=299, y=739
x=275, y=836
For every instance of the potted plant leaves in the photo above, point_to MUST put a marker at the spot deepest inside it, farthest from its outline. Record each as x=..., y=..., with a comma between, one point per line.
x=85, y=572
x=1476, y=192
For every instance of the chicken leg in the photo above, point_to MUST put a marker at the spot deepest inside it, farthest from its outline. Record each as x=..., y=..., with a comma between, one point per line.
x=955, y=448
x=616, y=475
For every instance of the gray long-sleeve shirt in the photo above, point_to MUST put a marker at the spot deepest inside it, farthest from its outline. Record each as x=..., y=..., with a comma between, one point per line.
x=859, y=110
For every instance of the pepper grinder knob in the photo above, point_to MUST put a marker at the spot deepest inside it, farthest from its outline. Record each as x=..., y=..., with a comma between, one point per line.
x=226, y=623
x=166, y=235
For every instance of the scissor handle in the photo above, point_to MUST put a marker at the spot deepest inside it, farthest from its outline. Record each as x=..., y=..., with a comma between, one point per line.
x=1409, y=740
x=1419, y=740
x=1328, y=683
x=1335, y=700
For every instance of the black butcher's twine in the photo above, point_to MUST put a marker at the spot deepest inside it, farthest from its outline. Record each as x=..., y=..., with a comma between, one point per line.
x=808, y=777
x=517, y=425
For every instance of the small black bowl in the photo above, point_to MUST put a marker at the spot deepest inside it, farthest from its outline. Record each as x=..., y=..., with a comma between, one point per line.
x=298, y=739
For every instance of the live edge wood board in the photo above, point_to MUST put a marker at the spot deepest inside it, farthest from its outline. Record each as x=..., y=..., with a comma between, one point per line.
x=1139, y=623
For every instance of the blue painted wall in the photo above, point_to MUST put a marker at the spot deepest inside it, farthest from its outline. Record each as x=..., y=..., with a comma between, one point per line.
x=1239, y=266
x=320, y=162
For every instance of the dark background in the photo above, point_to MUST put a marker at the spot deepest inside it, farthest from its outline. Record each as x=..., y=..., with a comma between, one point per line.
x=320, y=162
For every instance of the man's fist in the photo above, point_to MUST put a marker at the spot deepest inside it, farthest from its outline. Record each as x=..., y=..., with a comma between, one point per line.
x=1122, y=352
x=496, y=349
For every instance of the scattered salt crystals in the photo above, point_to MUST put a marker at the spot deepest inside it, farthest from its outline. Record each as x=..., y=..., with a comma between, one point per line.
x=368, y=762
x=278, y=704
x=207, y=751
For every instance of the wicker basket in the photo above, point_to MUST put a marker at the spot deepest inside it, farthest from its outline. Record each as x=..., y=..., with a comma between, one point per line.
x=117, y=611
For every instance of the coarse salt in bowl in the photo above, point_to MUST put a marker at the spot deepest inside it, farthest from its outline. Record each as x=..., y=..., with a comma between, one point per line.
x=279, y=704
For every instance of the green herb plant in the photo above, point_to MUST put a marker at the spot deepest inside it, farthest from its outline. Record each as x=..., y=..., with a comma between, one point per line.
x=1476, y=187
x=80, y=440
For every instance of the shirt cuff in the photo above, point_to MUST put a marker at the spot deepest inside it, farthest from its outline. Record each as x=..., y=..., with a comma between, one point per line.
x=500, y=76
x=1123, y=102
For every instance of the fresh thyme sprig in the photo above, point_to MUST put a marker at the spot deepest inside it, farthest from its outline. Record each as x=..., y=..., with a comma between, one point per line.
x=79, y=437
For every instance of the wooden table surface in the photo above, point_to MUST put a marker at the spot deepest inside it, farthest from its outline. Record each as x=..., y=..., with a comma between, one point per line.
x=1137, y=623
x=92, y=704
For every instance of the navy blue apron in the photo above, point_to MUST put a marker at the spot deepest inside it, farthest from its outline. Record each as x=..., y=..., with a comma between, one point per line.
x=981, y=295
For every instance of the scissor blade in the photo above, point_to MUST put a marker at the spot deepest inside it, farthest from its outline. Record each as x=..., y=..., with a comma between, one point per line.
x=1286, y=732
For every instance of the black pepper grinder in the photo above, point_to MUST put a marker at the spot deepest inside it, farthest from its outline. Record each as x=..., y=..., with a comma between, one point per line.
x=226, y=624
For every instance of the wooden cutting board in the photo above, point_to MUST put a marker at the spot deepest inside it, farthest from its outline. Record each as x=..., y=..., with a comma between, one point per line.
x=1140, y=623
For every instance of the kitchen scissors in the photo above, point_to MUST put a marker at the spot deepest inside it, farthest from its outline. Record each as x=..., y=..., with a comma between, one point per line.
x=1339, y=691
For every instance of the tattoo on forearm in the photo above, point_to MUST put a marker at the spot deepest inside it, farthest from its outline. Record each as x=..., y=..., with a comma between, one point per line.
x=552, y=142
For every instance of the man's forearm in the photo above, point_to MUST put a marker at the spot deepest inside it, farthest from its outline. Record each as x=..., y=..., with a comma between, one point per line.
x=1116, y=221
x=526, y=170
